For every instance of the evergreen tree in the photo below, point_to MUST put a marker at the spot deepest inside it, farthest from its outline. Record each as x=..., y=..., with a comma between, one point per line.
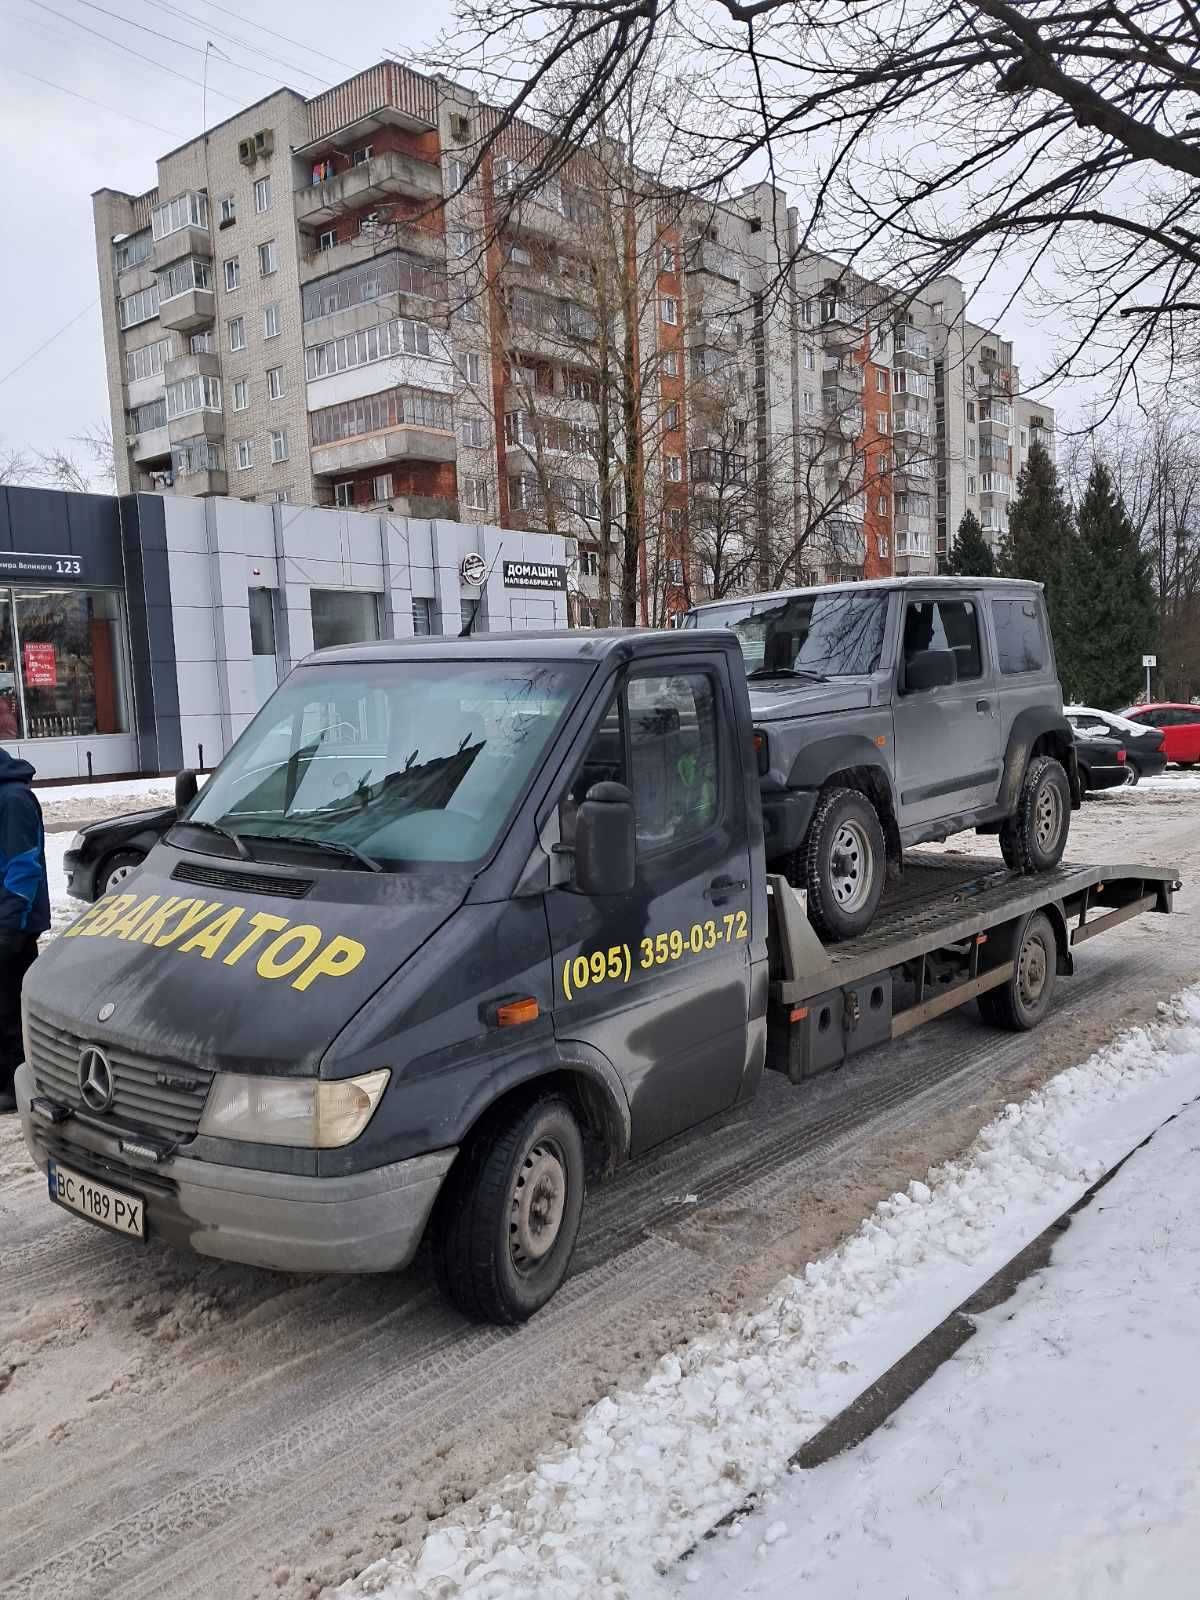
x=971, y=555
x=1041, y=545
x=1114, y=616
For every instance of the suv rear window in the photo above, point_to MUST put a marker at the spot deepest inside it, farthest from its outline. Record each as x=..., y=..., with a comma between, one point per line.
x=1020, y=640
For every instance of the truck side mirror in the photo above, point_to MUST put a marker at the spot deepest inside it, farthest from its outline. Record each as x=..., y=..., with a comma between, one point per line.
x=186, y=789
x=606, y=841
x=930, y=669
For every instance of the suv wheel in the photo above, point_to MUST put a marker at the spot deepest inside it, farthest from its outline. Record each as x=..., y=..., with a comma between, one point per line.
x=843, y=862
x=116, y=869
x=1034, y=837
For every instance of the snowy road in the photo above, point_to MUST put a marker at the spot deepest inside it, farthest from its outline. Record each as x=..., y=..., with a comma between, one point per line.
x=171, y=1427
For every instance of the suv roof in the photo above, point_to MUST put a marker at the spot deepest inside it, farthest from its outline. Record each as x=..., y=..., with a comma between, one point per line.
x=886, y=584
x=563, y=644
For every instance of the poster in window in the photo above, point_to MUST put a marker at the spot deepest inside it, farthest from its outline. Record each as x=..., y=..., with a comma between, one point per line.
x=41, y=667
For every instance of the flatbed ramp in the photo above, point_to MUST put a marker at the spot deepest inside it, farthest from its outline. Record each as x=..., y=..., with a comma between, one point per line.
x=951, y=930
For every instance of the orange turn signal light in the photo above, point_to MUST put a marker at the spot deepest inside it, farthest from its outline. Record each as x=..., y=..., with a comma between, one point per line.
x=514, y=1012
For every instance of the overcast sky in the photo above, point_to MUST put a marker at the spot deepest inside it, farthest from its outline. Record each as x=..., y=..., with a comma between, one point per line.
x=61, y=148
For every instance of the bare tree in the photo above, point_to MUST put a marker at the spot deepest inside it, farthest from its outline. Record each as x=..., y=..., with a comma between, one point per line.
x=920, y=138
x=15, y=467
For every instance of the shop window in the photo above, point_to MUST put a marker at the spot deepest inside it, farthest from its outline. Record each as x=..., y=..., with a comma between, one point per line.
x=343, y=616
x=66, y=659
x=262, y=642
x=422, y=617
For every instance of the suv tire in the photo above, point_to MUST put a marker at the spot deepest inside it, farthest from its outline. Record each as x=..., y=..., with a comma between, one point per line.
x=1034, y=837
x=506, y=1222
x=116, y=868
x=842, y=864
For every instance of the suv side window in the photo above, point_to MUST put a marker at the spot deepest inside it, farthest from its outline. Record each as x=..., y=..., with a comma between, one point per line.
x=659, y=737
x=1020, y=638
x=945, y=625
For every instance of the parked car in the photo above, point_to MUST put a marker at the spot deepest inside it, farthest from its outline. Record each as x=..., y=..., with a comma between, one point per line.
x=1180, y=725
x=1102, y=762
x=1145, y=756
x=104, y=853
x=896, y=711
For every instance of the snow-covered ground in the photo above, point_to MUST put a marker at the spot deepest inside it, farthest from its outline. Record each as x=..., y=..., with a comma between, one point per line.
x=651, y=1471
x=1057, y=1454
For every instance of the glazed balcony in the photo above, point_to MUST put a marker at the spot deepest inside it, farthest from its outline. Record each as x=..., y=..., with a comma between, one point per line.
x=367, y=183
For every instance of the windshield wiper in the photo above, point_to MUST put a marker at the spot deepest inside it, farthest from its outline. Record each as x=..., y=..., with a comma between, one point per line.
x=788, y=672
x=235, y=839
x=335, y=845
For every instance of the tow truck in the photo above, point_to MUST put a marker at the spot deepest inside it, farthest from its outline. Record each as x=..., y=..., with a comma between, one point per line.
x=460, y=926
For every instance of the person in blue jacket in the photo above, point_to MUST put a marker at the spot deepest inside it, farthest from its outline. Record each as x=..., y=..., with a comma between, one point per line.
x=24, y=906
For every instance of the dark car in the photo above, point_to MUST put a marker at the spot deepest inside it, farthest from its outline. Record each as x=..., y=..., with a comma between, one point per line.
x=103, y=853
x=1102, y=762
x=1145, y=749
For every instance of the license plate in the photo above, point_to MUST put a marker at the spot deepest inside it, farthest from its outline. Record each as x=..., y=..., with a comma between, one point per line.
x=111, y=1208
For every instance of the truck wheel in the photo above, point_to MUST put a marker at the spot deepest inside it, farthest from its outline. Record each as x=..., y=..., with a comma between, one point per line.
x=507, y=1220
x=843, y=862
x=1035, y=836
x=1022, y=1002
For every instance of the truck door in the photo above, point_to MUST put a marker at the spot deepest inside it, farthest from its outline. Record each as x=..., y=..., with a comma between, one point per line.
x=948, y=742
x=658, y=980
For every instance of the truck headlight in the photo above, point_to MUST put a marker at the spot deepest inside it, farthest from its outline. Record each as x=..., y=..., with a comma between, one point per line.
x=76, y=844
x=308, y=1112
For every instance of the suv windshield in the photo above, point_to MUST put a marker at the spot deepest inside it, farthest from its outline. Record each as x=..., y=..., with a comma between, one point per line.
x=407, y=761
x=830, y=634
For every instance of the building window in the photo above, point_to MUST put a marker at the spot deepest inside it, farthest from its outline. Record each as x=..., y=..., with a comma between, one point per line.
x=970, y=483
x=467, y=310
x=970, y=449
x=203, y=344
x=808, y=400
x=666, y=259
x=462, y=242
x=343, y=616
x=970, y=411
x=132, y=251
x=669, y=309
x=883, y=422
x=241, y=394
x=456, y=174
x=881, y=545
x=268, y=258
x=881, y=381
x=233, y=274
x=183, y=277
x=674, y=467
x=381, y=486
x=228, y=209
x=470, y=432
x=422, y=613
x=881, y=505
x=327, y=240
x=671, y=418
x=1024, y=438
x=149, y=361
x=244, y=454
x=809, y=358
x=938, y=311
x=275, y=383
x=394, y=408
x=470, y=366
x=343, y=493
x=185, y=211
x=71, y=663
x=271, y=321
x=237, y=333
x=139, y=307
x=401, y=336
x=192, y=456
x=473, y=493
x=262, y=194
x=199, y=393
x=279, y=448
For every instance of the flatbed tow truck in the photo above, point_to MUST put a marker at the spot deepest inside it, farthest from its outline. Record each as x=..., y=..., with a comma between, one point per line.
x=459, y=925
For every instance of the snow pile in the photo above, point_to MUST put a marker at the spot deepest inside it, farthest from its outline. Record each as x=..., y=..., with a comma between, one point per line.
x=651, y=1471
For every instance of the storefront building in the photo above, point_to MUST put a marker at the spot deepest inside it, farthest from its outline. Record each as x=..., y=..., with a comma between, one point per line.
x=141, y=633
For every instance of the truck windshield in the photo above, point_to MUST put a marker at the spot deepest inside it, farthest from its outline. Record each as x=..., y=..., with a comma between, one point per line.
x=834, y=634
x=406, y=762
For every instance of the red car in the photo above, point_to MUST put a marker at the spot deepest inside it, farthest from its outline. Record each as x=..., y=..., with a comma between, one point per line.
x=1180, y=726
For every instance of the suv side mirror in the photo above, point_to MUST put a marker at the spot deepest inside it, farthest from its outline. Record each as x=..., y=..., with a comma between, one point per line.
x=930, y=669
x=186, y=789
x=605, y=841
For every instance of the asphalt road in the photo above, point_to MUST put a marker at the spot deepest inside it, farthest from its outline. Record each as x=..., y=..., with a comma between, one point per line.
x=171, y=1427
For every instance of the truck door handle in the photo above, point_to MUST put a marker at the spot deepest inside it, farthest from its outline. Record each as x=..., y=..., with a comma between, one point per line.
x=722, y=889
x=985, y=706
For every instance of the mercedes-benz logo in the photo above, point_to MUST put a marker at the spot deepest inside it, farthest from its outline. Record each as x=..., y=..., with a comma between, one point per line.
x=473, y=570
x=95, y=1078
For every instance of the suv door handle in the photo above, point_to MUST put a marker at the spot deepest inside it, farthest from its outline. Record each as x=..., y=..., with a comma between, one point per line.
x=722, y=889
x=984, y=706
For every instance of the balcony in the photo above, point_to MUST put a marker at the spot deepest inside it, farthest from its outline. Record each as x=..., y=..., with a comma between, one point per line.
x=207, y=481
x=994, y=381
x=843, y=323
x=406, y=442
x=844, y=375
x=702, y=255
x=910, y=425
x=196, y=425
x=186, y=241
x=429, y=247
x=911, y=350
x=200, y=364
x=991, y=428
x=841, y=417
x=183, y=312
x=718, y=467
x=367, y=183
x=151, y=445
x=912, y=529
x=712, y=333
x=533, y=215
x=846, y=541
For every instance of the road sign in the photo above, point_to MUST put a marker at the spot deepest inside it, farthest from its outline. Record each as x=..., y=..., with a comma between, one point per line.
x=1149, y=661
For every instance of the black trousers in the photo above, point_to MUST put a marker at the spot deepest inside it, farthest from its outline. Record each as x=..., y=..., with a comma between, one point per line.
x=17, y=953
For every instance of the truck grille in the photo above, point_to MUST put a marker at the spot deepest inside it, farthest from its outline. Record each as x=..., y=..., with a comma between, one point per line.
x=140, y=1098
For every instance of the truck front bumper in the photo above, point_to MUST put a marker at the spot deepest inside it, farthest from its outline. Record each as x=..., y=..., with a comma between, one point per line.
x=361, y=1222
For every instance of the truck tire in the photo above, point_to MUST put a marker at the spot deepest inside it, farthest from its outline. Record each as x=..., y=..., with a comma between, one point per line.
x=508, y=1217
x=842, y=864
x=1022, y=1002
x=1034, y=837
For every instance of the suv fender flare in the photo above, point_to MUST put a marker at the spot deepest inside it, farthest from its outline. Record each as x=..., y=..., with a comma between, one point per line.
x=836, y=753
x=1028, y=727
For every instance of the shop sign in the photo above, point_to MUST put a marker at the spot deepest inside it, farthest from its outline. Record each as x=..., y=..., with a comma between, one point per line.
x=34, y=564
x=474, y=570
x=534, y=575
x=41, y=666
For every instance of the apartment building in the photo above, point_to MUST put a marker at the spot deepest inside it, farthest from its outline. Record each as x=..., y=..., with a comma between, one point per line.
x=320, y=302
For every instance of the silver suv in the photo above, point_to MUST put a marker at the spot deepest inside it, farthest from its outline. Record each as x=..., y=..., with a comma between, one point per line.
x=895, y=711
